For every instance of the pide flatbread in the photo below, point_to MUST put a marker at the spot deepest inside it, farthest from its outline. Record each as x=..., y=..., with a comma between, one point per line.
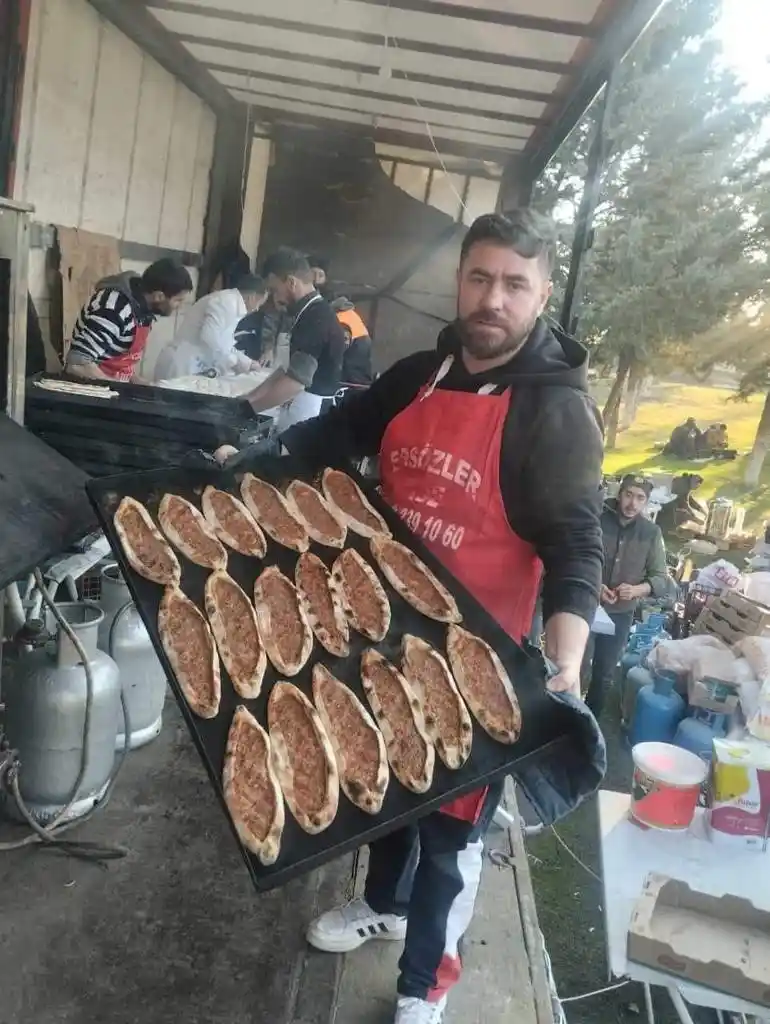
x=447, y=721
x=359, y=748
x=251, y=789
x=283, y=626
x=303, y=758
x=234, y=625
x=350, y=504
x=363, y=596
x=271, y=511
x=187, y=529
x=322, y=604
x=414, y=581
x=189, y=646
x=147, y=550
x=232, y=522
x=398, y=714
x=485, y=684
x=310, y=507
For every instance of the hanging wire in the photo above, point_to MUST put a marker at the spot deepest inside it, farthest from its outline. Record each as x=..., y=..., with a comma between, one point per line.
x=389, y=39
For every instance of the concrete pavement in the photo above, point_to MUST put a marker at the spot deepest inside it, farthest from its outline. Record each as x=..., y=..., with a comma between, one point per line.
x=176, y=933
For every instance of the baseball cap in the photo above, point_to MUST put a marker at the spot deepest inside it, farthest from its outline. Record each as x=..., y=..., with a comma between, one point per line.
x=637, y=480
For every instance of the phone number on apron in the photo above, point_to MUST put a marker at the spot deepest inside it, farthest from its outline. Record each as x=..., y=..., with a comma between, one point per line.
x=432, y=529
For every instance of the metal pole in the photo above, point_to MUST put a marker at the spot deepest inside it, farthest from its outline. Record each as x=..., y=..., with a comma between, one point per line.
x=17, y=349
x=583, y=239
x=14, y=247
x=680, y=1006
x=649, y=1008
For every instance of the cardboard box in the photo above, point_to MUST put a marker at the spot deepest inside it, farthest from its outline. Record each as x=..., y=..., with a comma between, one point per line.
x=739, y=794
x=720, y=942
x=713, y=695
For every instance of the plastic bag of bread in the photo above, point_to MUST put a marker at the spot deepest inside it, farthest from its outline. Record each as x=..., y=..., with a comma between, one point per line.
x=756, y=650
x=716, y=663
x=759, y=723
x=679, y=655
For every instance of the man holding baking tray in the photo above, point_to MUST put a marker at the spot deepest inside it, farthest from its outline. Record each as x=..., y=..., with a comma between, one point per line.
x=494, y=435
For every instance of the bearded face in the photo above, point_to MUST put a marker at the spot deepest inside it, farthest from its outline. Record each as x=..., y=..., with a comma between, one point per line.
x=500, y=295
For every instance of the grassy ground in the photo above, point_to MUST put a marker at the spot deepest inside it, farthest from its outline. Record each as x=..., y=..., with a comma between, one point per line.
x=568, y=898
x=668, y=405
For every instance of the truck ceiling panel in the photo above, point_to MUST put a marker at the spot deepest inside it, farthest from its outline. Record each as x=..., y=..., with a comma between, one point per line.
x=376, y=23
x=503, y=75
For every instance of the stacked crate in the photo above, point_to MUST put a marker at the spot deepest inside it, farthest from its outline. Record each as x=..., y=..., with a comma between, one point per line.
x=731, y=616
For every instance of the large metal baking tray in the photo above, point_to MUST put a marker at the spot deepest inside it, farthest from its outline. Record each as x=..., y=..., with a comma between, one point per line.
x=43, y=506
x=545, y=721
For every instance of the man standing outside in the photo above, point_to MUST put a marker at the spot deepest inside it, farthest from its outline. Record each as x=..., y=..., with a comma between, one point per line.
x=316, y=344
x=110, y=335
x=495, y=439
x=205, y=342
x=634, y=568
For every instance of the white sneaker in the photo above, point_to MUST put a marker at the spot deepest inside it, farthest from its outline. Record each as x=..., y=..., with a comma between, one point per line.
x=348, y=927
x=418, y=1011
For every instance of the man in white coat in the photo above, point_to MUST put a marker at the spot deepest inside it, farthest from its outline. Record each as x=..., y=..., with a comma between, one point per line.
x=205, y=342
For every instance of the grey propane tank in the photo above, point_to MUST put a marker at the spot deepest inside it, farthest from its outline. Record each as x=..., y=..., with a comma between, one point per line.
x=45, y=693
x=141, y=674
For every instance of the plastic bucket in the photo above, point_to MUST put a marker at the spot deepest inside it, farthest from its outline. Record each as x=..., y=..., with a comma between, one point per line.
x=666, y=786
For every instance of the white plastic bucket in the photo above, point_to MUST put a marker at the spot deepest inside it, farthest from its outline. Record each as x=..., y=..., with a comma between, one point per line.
x=666, y=786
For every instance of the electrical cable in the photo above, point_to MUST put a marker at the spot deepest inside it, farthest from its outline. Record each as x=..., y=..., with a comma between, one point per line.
x=593, y=874
x=575, y=857
x=49, y=834
x=387, y=40
x=596, y=992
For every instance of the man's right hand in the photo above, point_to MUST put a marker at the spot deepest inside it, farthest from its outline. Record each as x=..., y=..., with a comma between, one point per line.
x=607, y=596
x=223, y=453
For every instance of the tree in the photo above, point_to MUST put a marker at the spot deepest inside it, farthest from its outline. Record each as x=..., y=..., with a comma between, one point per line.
x=743, y=342
x=676, y=246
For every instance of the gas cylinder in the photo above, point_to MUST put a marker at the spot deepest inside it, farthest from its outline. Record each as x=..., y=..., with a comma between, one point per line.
x=122, y=635
x=636, y=678
x=659, y=710
x=45, y=693
x=637, y=648
x=697, y=732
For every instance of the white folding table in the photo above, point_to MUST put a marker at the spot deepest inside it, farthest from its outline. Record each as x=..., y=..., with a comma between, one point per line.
x=629, y=853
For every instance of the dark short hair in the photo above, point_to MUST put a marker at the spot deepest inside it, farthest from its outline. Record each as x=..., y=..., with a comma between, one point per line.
x=251, y=284
x=530, y=234
x=167, y=276
x=286, y=262
x=316, y=260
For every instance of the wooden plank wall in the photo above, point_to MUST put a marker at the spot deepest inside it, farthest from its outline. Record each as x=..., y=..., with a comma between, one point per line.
x=110, y=142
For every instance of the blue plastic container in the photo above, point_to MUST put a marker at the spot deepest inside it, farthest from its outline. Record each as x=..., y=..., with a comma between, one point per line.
x=697, y=732
x=659, y=710
x=655, y=622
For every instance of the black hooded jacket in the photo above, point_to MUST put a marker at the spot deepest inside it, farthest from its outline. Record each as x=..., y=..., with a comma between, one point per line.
x=550, y=459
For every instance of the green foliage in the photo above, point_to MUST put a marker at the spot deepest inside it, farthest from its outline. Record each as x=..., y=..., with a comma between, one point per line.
x=683, y=222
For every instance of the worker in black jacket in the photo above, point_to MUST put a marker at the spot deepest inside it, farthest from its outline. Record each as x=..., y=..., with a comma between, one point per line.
x=490, y=450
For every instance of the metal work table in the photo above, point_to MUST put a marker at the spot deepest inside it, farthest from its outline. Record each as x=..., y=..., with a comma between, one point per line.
x=630, y=853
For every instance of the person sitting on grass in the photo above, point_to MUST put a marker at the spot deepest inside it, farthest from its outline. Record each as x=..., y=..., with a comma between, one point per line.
x=685, y=440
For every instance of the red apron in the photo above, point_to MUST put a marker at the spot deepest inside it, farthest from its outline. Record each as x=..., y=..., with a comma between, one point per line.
x=440, y=468
x=124, y=367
